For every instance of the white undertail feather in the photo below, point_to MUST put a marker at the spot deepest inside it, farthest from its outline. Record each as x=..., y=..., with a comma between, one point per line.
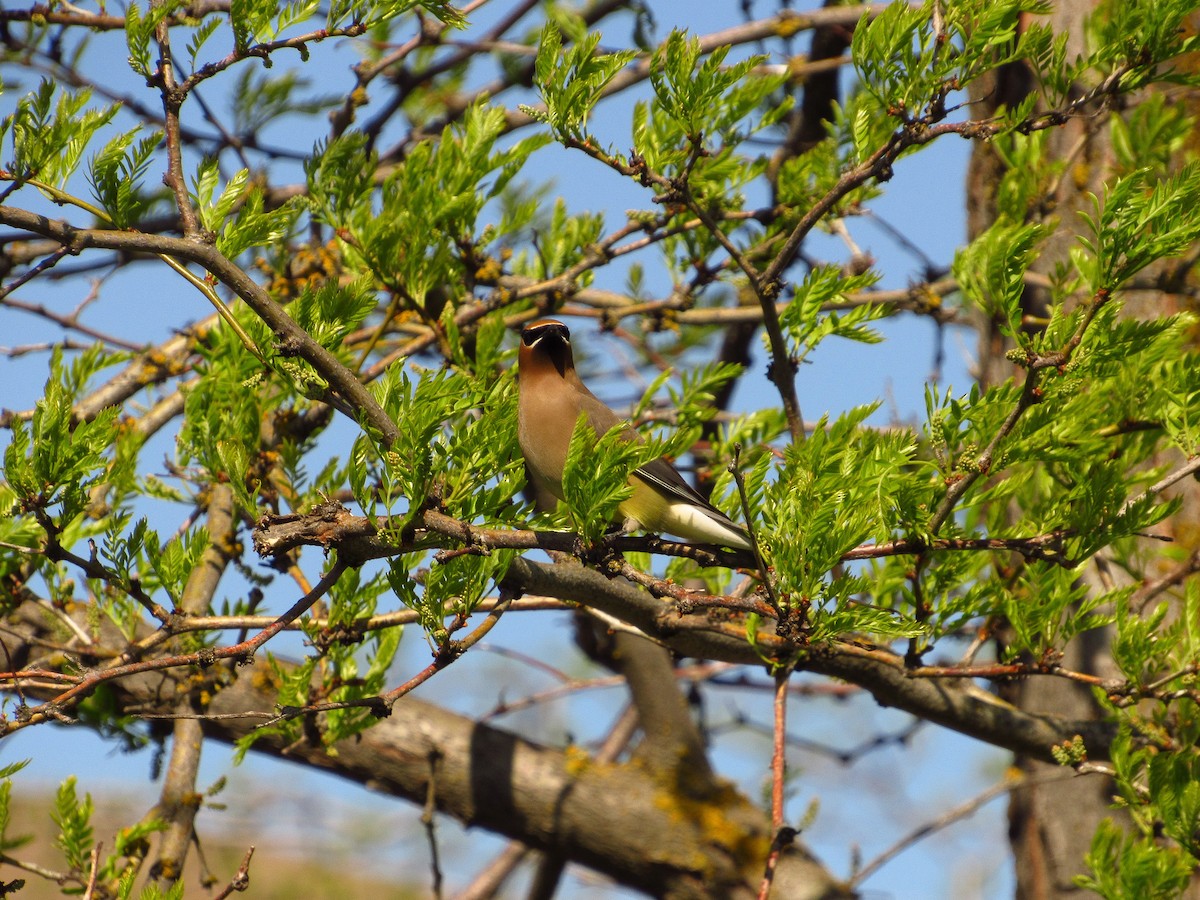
x=656, y=511
x=694, y=521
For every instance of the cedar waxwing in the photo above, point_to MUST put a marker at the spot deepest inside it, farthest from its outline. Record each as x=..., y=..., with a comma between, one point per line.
x=551, y=397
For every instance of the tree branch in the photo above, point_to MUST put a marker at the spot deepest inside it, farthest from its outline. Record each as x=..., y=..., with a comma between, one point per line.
x=292, y=340
x=600, y=815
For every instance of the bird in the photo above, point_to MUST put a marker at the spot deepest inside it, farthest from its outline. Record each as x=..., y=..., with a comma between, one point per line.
x=550, y=398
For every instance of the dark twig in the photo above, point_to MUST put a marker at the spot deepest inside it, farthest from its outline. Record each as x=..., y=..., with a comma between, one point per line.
x=764, y=572
x=32, y=272
x=429, y=821
x=70, y=322
x=242, y=651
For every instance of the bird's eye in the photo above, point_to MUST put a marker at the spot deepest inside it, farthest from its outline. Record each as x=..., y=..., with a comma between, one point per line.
x=529, y=337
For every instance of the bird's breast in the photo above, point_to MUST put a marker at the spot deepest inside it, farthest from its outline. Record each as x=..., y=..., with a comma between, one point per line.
x=544, y=429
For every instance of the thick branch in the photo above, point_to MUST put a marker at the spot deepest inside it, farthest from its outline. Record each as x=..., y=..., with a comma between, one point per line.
x=601, y=815
x=956, y=704
x=179, y=801
x=959, y=705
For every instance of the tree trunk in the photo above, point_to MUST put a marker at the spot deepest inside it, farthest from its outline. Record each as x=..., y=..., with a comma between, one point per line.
x=1053, y=814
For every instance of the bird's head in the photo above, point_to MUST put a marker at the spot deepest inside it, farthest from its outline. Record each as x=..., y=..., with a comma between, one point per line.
x=545, y=342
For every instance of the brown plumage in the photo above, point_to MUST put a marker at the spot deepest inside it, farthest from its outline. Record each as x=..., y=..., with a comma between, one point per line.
x=551, y=397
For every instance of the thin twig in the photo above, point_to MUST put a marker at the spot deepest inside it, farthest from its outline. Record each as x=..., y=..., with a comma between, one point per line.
x=429, y=820
x=69, y=322
x=93, y=871
x=924, y=831
x=32, y=272
x=782, y=835
x=241, y=879
x=243, y=650
x=1189, y=468
x=488, y=883
x=452, y=650
x=1151, y=589
x=764, y=572
x=34, y=868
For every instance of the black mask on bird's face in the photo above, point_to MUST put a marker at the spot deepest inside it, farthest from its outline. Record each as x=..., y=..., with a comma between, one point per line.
x=552, y=338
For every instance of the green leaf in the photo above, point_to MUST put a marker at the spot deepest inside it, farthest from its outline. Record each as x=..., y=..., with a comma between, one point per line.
x=709, y=97
x=117, y=173
x=139, y=32
x=596, y=475
x=8, y=843
x=1144, y=218
x=235, y=464
x=48, y=144
x=807, y=320
x=991, y=272
x=571, y=81
x=201, y=36
x=73, y=817
x=332, y=310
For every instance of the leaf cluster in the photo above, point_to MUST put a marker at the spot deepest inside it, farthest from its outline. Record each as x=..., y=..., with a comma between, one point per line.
x=49, y=138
